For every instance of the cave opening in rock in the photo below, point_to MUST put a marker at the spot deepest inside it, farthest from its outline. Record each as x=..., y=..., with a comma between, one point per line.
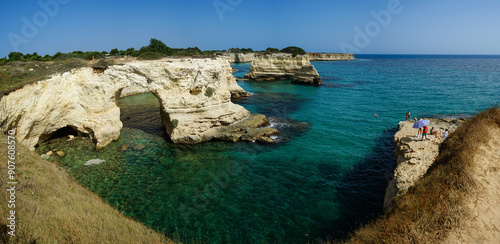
x=142, y=111
x=65, y=132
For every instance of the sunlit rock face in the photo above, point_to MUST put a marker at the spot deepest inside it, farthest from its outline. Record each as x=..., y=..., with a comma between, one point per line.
x=194, y=95
x=283, y=66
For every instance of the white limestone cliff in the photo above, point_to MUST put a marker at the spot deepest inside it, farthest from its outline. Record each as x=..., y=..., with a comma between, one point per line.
x=240, y=57
x=194, y=96
x=413, y=156
x=330, y=56
x=282, y=66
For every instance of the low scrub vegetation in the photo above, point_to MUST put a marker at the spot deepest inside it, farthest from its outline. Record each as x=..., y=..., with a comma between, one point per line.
x=19, y=73
x=436, y=204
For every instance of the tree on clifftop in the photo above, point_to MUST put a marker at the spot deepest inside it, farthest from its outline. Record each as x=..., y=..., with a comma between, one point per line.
x=16, y=56
x=272, y=50
x=293, y=50
x=156, y=46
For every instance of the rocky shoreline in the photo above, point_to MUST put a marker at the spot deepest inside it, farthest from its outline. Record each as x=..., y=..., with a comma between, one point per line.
x=413, y=156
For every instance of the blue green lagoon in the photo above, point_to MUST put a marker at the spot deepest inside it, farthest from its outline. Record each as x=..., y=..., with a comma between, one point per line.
x=326, y=173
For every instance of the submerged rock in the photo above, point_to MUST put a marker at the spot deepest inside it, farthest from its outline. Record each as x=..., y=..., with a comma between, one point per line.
x=139, y=147
x=124, y=147
x=61, y=154
x=93, y=162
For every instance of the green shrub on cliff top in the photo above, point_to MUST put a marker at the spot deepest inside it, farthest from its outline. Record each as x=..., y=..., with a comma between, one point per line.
x=293, y=50
x=151, y=56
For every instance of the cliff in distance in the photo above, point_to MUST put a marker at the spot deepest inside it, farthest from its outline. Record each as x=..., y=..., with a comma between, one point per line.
x=249, y=57
x=267, y=67
x=330, y=56
x=194, y=96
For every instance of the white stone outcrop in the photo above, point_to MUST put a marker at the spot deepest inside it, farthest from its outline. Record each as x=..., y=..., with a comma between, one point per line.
x=194, y=95
x=240, y=57
x=282, y=66
x=413, y=156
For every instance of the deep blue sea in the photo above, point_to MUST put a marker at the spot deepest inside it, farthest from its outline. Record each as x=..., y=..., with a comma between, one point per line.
x=327, y=172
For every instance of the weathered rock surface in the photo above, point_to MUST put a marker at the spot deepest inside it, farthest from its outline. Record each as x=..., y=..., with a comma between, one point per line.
x=330, y=56
x=240, y=57
x=414, y=156
x=251, y=129
x=266, y=67
x=307, y=75
x=133, y=90
x=194, y=96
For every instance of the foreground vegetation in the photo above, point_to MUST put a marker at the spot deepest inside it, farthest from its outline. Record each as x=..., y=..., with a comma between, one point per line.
x=436, y=204
x=52, y=208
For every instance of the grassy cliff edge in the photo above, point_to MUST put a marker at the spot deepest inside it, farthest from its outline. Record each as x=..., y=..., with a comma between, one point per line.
x=438, y=203
x=50, y=207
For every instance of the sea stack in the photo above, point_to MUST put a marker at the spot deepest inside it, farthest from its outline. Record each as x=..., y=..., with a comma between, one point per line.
x=278, y=66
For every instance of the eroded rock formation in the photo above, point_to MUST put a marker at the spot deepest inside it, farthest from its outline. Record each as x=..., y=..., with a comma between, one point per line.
x=194, y=96
x=240, y=57
x=266, y=67
x=414, y=156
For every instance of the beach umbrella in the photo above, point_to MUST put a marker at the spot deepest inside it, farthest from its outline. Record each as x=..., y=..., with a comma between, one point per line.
x=421, y=123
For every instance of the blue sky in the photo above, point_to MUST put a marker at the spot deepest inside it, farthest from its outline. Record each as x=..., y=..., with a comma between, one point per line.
x=408, y=26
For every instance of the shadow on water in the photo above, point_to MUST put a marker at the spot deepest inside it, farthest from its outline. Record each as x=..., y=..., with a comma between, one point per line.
x=272, y=104
x=361, y=192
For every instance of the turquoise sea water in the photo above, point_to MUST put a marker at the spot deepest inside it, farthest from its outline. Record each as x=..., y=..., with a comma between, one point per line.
x=326, y=174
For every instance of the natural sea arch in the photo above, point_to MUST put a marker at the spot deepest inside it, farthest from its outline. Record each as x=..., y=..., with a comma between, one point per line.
x=194, y=96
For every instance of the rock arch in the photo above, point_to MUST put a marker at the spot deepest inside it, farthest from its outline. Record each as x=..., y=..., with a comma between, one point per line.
x=194, y=96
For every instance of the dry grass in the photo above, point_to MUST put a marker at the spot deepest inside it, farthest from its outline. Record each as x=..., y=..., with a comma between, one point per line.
x=436, y=204
x=17, y=74
x=52, y=208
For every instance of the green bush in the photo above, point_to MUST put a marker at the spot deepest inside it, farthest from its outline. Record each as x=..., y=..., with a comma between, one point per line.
x=272, y=50
x=55, y=56
x=3, y=61
x=114, y=52
x=156, y=46
x=100, y=66
x=293, y=50
x=151, y=56
x=16, y=56
x=209, y=92
x=175, y=123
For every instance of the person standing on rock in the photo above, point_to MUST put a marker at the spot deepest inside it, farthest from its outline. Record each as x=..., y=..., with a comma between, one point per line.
x=445, y=134
x=424, y=133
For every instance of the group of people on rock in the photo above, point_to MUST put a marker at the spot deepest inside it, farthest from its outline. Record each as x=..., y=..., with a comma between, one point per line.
x=423, y=131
